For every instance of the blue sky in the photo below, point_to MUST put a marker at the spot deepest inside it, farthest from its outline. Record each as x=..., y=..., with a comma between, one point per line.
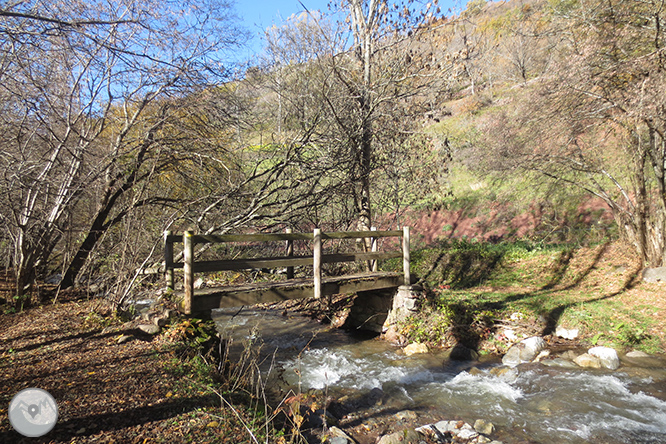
x=257, y=15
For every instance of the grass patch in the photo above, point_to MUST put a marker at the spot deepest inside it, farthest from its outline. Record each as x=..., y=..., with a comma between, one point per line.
x=486, y=296
x=204, y=366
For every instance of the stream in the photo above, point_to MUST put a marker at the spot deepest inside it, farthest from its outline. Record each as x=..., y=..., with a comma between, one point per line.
x=533, y=403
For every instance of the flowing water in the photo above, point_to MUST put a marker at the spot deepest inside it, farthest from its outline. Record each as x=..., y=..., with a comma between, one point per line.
x=543, y=404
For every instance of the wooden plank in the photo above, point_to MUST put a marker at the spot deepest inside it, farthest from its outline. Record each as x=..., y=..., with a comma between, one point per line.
x=248, y=264
x=373, y=264
x=360, y=234
x=226, y=297
x=268, y=237
x=355, y=283
x=259, y=237
x=290, y=253
x=356, y=257
x=286, y=261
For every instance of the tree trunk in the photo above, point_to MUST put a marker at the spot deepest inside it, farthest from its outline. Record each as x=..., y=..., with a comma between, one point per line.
x=24, y=274
x=95, y=233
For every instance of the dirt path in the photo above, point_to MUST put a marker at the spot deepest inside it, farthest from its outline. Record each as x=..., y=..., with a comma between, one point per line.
x=106, y=392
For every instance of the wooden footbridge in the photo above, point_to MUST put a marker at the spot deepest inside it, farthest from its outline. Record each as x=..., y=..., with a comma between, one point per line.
x=200, y=302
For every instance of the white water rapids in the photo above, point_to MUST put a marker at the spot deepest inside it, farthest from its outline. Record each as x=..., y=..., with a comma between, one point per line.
x=546, y=404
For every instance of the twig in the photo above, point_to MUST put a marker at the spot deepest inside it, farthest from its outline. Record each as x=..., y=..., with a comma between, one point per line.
x=235, y=413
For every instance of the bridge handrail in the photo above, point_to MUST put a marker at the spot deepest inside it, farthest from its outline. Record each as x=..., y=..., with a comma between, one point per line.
x=189, y=266
x=267, y=237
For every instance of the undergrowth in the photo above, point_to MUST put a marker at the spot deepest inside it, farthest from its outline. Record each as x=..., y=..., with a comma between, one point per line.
x=486, y=296
x=207, y=363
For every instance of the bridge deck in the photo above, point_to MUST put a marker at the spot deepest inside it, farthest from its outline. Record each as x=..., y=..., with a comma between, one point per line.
x=207, y=299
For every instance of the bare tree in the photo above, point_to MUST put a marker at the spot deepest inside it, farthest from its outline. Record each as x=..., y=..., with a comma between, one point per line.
x=599, y=122
x=351, y=94
x=87, y=89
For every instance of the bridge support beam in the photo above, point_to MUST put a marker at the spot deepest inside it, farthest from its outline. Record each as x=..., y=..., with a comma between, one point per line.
x=406, y=302
x=383, y=310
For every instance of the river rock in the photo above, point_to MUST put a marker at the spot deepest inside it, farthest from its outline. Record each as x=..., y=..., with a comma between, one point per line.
x=566, y=333
x=406, y=415
x=407, y=436
x=459, y=431
x=475, y=371
x=125, y=338
x=640, y=359
x=525, y=351
x=637, y=354
x=587, y=360
x=150, y=329
x=339, y=437
x=160, y=321
x=542, y=354
x=445, y=426
x=510, y=334
x=508, y=374
x=559, y=362
x=484, y=427
x=654, y=275
x=415, y=348
x=569, y=355
x=467, y=433
x=607, y=356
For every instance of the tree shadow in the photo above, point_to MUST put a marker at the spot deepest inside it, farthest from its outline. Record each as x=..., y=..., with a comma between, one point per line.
x=463, y=264
x=561, y=266
x=468, y=319
x=74, y=429
x=69, y=371
x=554, y=316
x=84, y=335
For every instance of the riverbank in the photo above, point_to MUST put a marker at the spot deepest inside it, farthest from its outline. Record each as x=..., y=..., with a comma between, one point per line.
x=138, y=391
x=488, y=297
x=114, y=383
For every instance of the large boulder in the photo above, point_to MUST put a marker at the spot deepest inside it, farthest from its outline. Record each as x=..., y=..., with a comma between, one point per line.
x=525, y=351
x=607, y=357
x=587, y=360
x=415, y=348
x=654, y=275
x=566, y=333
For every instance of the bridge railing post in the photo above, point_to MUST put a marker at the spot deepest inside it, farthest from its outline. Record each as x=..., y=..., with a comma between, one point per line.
x=188, y=271
x=373, y=249
x=405, y=256
x=168, y=261
x=316, y=262
x=290, y=253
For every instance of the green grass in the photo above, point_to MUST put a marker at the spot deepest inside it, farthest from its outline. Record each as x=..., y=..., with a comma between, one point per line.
x=475, y=290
